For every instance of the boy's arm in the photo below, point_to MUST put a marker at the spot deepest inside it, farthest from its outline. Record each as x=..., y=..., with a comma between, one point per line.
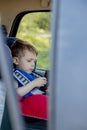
x=24, y=89
x=28, y=87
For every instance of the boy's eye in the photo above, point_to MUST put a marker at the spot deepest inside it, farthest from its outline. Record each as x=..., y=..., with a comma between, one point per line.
x=28, y=60
x=32, y=60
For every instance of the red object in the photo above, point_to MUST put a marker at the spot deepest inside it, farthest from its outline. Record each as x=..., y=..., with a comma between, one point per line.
x=35, y=106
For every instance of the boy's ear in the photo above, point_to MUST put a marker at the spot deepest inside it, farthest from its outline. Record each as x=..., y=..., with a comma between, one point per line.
x=15, y=60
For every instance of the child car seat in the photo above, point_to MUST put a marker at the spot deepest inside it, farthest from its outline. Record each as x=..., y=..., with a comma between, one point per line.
x=30, y=121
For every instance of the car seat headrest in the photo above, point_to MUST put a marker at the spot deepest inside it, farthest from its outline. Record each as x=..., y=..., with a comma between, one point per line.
x=10, y=40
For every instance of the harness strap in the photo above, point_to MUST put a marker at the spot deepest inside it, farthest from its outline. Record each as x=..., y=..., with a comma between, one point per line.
x=24, y=80
x=20, y=77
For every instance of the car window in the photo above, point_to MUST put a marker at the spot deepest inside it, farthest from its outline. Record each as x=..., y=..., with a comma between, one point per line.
x=35, y=28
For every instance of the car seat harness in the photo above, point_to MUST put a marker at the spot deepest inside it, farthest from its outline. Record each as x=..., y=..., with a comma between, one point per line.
x=22, y=78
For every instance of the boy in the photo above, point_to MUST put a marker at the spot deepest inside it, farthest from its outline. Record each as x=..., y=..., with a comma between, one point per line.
x=24, y=58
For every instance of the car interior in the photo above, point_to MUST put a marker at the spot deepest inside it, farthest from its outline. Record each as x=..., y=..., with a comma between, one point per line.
x=58, y=29
x=13, y=18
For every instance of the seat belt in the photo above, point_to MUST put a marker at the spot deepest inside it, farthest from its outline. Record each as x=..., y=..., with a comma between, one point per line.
x=24, y=80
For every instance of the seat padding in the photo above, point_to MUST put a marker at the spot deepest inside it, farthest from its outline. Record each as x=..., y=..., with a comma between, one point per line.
x=10, y=40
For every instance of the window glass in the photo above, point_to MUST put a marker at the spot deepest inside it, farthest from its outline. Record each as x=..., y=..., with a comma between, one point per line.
x=35, y=28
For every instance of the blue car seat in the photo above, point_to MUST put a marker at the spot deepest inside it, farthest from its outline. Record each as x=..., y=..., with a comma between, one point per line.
x=29, y=121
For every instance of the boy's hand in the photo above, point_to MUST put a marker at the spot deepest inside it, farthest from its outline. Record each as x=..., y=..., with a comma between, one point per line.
x=39, y=82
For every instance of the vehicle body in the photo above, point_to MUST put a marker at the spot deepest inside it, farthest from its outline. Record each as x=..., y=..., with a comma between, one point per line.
x=68, y=57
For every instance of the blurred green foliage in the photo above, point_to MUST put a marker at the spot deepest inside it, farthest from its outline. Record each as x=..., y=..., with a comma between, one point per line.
x=35, y=28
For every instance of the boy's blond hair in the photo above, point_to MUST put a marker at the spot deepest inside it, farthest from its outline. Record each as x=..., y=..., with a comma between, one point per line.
x=19, y=47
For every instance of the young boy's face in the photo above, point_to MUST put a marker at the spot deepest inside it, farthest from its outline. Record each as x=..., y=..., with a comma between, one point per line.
x=26, y=62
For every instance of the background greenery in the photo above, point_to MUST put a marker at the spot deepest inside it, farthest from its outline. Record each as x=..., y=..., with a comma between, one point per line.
x=35, y=28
